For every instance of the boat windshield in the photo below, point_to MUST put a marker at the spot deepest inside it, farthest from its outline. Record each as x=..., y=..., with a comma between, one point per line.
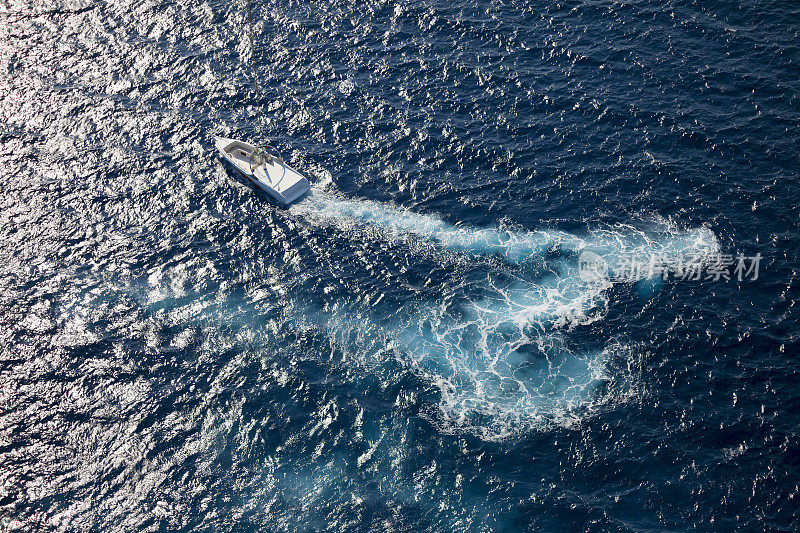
x=259, y=157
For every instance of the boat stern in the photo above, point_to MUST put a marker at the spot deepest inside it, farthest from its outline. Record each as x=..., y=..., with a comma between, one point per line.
x=296, y=191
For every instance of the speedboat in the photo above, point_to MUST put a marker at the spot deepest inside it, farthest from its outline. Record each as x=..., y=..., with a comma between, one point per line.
x=265, y=168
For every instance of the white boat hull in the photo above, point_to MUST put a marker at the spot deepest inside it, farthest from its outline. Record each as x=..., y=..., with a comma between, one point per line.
x=274, y=176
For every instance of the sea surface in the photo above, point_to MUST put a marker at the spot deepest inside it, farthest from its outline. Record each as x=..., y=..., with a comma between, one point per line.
x=413, y=346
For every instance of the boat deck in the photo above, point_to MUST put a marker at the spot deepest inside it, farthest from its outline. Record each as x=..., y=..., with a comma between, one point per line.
x=240, y=157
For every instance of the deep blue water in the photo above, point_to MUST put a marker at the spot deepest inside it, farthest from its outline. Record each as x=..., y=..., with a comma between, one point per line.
x=412, y=346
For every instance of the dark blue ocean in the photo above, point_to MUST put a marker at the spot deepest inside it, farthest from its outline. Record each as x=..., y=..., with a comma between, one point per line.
x=414, y=345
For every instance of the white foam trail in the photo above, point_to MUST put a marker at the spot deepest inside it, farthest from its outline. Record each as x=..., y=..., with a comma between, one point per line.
x=501, y=361
x=514, y=247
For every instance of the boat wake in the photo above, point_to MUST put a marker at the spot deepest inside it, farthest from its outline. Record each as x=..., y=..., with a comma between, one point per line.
x=507, y=350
